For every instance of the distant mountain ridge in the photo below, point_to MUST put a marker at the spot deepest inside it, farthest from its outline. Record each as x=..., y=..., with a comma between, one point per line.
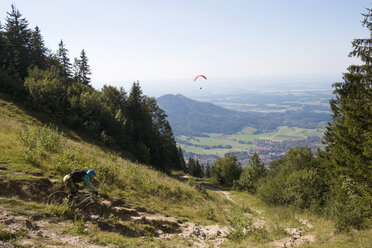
x=193, y=118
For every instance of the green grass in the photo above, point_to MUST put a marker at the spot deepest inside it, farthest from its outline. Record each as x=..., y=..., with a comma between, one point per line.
x=138, y=185
x=279, y=218
x=31, y=151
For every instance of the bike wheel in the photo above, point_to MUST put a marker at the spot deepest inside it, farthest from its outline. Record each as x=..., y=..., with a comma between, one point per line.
x=57, y=197
x=93, y=210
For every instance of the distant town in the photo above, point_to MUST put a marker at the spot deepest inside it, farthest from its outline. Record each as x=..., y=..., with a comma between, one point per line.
x=268, y=150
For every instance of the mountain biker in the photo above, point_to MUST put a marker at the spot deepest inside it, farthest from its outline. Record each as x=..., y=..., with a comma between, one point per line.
x=79, y=176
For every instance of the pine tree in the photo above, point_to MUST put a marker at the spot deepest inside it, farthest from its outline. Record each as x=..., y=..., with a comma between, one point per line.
x=17, y=35
x=62, y=55
x=138, y=126
x=183, y=166
x=38, y=49
x=198, y=169
x=134, y=113
x=191, y=166
x=349, y=136
x=207, y=171
x=2, y=48
x=82, y=69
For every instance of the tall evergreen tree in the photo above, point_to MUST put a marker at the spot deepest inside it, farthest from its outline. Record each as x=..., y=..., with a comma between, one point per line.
x=62, y=55
x=182, y=160
x=2, y=48
x=208, y=171
x=198, y=169
x=38, y=49
x=349, y=136
x=18, y=39
x=191, y=166
x=82, y=69
x=138, y=124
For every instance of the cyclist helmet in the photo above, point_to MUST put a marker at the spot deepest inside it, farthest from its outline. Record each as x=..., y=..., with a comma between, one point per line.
x=91, y=172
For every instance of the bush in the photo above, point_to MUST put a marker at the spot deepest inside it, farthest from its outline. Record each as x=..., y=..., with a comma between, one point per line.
x=226, y=170
x=297, y=180
x=39, y=142
x=351, y=206
x=252, y=173
x=47, y=88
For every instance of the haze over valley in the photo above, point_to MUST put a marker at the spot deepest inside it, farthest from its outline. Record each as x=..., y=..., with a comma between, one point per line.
x=268, y=123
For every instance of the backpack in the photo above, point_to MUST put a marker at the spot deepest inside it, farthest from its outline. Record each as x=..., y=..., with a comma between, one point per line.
x=77, y=175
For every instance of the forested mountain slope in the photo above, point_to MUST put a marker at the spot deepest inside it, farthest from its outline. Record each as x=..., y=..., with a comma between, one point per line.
x=192, y=118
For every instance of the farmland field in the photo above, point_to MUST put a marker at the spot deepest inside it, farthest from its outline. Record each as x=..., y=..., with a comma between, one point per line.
x=219, y=144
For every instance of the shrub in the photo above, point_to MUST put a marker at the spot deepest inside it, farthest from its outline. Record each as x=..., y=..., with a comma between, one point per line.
x=251, y=174
x=39, y=142
x=351, y=206
x=226, y=170
x=47, y=88
x=297, y=180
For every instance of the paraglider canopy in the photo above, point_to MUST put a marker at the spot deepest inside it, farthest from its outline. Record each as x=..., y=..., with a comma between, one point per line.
x=199, y=76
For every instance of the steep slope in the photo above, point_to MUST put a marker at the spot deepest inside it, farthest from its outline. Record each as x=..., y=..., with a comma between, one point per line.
x=187, y=116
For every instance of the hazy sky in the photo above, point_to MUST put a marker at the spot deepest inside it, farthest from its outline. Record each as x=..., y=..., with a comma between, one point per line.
x=165, y=43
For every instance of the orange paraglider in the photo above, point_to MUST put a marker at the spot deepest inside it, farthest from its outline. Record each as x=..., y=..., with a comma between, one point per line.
x=200, y=76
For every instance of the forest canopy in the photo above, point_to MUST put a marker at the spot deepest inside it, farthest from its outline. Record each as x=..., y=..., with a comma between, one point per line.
x=47, y=81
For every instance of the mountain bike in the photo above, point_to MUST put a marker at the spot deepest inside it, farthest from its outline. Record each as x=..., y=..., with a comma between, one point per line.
x=87, y=202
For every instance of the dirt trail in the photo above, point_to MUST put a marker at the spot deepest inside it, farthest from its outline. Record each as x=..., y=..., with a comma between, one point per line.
x=295, y=239
x=168, y=227
x=165, y=227
x=37, y=232
x=42, y=231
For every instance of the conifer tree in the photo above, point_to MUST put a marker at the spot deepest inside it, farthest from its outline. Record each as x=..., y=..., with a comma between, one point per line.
x=138, y=124
x=82, y=69
x=17, y=35
x=191, y=166
x=2, y=48
x=62, y=55
x=198, y=169
x=38, y=49
x=160, y=140
x=208, y=171
x=182, y=160
x=349, y=136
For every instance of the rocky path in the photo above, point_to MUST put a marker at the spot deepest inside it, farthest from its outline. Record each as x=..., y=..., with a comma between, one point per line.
x=34, y=231
x=168, y=227
x=43, y=230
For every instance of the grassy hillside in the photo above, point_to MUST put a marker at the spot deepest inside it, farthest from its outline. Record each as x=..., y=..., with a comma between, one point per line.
x=35, y=157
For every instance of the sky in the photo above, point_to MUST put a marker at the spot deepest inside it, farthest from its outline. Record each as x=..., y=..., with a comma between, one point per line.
x=237, y=44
